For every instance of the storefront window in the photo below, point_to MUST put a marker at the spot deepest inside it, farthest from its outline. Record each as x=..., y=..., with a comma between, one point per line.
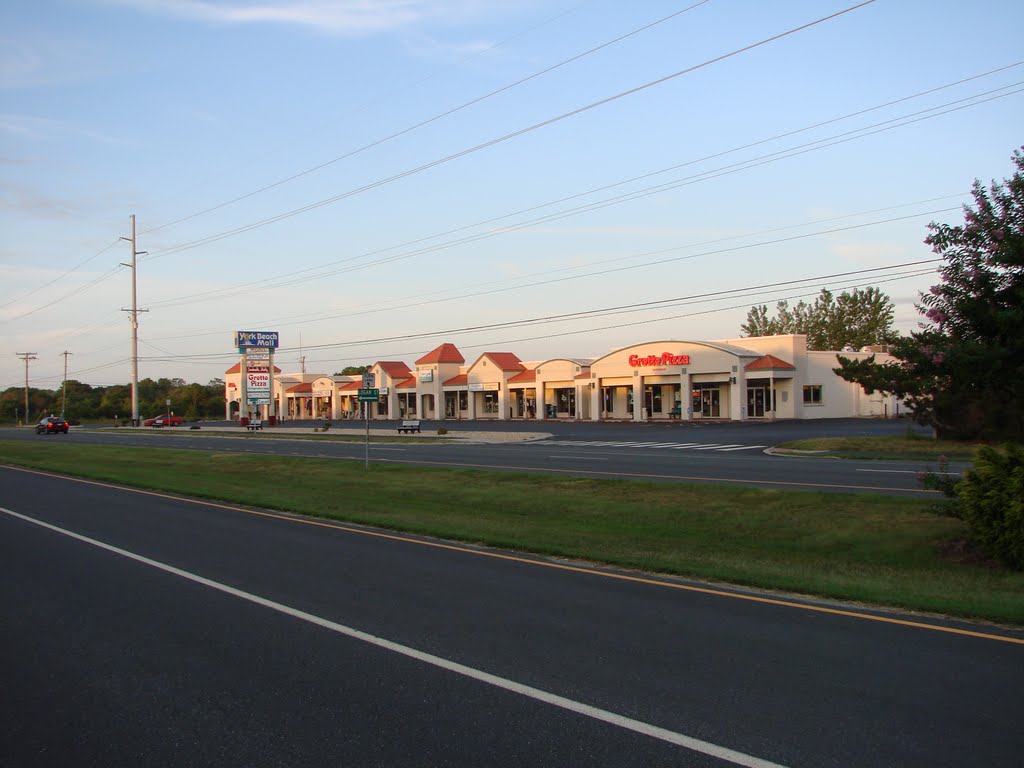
x=490, y=402
x=707, y=402
x=382, y=406
x=812, y=394
x=608, y=397
x=652, y=398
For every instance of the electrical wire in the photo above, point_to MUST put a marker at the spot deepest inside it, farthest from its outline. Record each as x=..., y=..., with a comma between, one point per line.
x=318, y=273
x=498, y=140
x=428, y=121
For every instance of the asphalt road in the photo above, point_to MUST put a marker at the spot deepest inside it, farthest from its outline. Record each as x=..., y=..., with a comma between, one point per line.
x=145, y=630
x=729, y=453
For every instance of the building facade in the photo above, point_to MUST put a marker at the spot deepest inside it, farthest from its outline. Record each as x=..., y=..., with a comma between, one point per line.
x=765, y=377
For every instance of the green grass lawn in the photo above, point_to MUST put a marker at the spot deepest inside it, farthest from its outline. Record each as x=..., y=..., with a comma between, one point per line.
x=877, y=549
x=895, y=447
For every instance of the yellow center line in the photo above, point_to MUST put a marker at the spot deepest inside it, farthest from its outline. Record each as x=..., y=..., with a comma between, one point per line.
x=540, y=563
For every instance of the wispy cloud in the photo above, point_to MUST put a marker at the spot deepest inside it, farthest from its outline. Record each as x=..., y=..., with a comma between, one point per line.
x=23, y=199
x=353, y=17
x=36, y=60
x=30, y=127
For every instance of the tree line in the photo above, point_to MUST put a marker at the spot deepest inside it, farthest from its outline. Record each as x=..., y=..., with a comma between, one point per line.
x=81, y=402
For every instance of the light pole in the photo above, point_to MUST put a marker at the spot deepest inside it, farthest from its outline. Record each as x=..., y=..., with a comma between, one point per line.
x=26, y=356
x=64, y=390
x=134, y=311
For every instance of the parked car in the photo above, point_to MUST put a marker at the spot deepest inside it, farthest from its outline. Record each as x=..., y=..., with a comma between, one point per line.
x=52, y=425
x=164, y=421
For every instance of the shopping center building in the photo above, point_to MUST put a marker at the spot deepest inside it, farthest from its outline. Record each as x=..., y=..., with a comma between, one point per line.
x=766, y=377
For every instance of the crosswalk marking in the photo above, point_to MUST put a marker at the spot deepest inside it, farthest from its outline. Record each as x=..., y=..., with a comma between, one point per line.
x=634, y=444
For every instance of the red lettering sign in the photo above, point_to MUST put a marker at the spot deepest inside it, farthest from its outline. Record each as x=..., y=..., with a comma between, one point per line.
x=666, y=358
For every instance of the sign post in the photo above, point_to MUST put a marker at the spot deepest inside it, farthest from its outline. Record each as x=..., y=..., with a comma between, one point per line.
x=256, y=387
x=368, y=395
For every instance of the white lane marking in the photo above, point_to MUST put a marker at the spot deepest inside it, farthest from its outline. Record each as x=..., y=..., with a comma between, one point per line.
x=588, y=458
x=716, y=447
x=892, y=471
x=744, y=448
x=679, y=739
x=685, y=445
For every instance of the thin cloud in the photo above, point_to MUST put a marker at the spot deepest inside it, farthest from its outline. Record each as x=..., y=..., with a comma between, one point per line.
x=35, y=60
x=33, y=128
x=352, y=17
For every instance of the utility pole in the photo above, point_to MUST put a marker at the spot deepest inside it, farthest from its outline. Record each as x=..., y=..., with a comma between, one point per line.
x=64, y=392
x=26, y=356
x=134, y=312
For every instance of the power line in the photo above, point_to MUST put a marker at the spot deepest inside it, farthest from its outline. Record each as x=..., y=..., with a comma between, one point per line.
x=493, y=142
x=317, y=273
x=430, y=120
x=59, y=278
x=411, y=302
x=586, y=314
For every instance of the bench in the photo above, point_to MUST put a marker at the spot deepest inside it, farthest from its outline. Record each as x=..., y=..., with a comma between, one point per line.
x=410, y=426
x=676, y=413
x=253, y=425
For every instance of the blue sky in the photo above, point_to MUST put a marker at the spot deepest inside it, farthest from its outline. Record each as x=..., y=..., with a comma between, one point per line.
x=373, y=178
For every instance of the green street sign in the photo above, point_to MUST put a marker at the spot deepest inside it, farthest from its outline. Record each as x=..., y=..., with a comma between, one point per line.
x=369, y=395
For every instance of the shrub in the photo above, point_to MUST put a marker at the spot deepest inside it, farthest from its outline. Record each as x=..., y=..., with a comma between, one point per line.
x=945, y=482
x=442, y=431
x=991, y=501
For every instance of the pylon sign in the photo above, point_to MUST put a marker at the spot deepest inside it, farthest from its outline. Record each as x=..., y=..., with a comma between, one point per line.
x=258, y=381
x=258, y=339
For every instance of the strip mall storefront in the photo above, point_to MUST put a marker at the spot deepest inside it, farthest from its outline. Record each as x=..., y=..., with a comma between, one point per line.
x=735, y=379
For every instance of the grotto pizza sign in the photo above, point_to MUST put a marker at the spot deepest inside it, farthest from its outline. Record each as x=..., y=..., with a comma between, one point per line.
x=658, y=361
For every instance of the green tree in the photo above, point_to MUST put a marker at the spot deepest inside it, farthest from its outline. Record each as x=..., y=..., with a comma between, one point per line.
x=963, y=371
x=353, y=370
x=855, y=319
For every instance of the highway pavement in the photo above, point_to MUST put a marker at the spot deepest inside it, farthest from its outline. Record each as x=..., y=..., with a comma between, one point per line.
x=726, y=453
x=144, y=629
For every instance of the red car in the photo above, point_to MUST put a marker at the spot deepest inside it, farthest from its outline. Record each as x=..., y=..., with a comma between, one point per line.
x=164, y=421
x=52, y=425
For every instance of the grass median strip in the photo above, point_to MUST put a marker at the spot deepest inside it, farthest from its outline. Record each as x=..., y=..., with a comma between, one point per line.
x=899, y=447
x=876, y=549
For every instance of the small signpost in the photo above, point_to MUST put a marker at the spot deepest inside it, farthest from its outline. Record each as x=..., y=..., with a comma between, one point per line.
x=368, y=394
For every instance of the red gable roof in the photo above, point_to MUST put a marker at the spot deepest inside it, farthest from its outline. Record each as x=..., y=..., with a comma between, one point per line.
x=456, y=381
x=396, y=370
x=769, y=362
x=352, y=385
x=446, y=353
x=525, y=376
x=506, y=361
x=300, y=388
x=237, y=368
x=408, y=383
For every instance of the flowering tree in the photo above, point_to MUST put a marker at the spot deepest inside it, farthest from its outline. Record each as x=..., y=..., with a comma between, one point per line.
x=963, y=371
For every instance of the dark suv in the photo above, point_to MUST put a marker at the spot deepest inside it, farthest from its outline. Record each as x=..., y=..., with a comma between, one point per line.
x=52, y=424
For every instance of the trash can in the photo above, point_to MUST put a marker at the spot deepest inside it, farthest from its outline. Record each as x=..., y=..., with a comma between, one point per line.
x=272, y=420
x=550, y=412
x=243, y=421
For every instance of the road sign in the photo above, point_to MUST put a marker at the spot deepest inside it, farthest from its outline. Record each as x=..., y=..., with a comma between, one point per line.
x=368, y=395
x=369, y=380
